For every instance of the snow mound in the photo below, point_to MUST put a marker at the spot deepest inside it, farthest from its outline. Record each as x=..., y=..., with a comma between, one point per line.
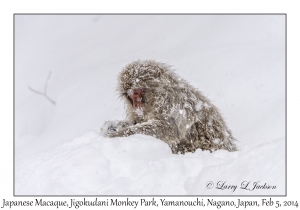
x=256, y=171
x=140, y=165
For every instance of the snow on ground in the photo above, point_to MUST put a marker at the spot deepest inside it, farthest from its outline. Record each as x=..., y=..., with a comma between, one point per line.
x=238, y=62
x=143, y=165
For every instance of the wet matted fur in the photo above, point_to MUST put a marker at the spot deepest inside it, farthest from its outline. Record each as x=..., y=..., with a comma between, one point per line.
x=169, y=109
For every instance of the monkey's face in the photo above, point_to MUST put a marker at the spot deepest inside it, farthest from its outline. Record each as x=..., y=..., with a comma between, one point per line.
x=136, y=98
x=138, y=83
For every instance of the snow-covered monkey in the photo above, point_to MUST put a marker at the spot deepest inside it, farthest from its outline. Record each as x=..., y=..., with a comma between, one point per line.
x=161, y=104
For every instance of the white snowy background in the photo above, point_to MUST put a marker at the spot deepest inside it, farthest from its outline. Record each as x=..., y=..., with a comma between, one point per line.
x=237, y=61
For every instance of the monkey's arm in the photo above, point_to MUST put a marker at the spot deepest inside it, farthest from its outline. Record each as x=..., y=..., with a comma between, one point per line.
x=110, y=127
x=151, y=127
x=159, y=129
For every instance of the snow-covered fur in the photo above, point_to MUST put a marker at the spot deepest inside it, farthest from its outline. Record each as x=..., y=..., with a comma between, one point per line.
x=172, y=111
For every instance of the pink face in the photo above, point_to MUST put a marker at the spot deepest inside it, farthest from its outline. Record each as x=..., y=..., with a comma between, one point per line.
x=136, y=95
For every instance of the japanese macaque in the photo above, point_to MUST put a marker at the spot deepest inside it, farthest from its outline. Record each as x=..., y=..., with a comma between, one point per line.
x=161, y=104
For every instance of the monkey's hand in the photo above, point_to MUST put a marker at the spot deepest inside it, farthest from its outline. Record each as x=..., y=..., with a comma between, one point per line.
x=130, y=130
x=111, y=128
x=148, y=128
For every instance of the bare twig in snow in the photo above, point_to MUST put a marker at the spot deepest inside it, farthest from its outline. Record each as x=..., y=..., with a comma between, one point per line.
x=45, y=90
